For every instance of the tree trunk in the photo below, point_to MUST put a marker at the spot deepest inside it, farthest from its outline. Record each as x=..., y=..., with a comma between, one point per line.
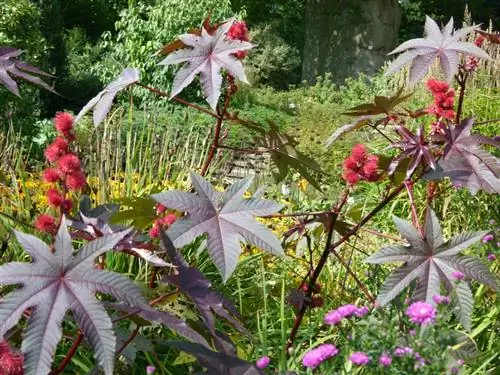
x=348, y=37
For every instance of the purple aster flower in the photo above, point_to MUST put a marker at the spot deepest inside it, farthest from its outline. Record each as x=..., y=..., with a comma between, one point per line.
x=401, y=352
x=460, y=362
x=457, y=275
x=347, y=310
x=492, y=257
x=492, y=222
x=412, y=332
x=454, y=370
x=333, y=317
x=385, y=360
x=150, y=370
x=362, y=311
x=445, y=300
x=263, y=362
x=488, y=238
x=314, y=357
x=421, y=313
x=359, y=358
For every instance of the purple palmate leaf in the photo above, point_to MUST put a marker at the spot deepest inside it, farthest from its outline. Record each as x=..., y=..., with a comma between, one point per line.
x=443, y=44
x=465, y=162
x=198, y=289
x=103, y=101
x=11, y=66
x=55, y=282
x=432, y=261
x=226, y=217
x=208, y=55
x=413, y=146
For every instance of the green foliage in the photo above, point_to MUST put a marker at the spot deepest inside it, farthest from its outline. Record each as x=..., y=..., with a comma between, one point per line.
x=275, y=62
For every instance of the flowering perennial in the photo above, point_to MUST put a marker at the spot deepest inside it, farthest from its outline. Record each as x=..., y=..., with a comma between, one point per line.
x=313, y=358
x=421, y=313
x=360, y=166
x=66, y=173
x=263, y=362
x=359, y=358
x=346, y=311
x=11, y=363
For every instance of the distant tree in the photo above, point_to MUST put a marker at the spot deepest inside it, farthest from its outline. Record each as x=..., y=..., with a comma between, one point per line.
x=347, y=37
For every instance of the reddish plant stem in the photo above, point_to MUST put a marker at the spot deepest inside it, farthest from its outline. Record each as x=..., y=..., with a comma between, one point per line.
x=383, y=235
x=215, y=143
x=177, y=99
x=414, y=215
x=248, y=150
x=127, y=341
x=462, y=80
x=71, y=352
x=317, y=270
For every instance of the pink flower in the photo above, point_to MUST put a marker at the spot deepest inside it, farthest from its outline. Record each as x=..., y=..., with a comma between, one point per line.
x=76, y=181
x=69, y=163
x=263, y=362
x=445, y=300
x=421, y=313
x=492, y=257
x=362, y=311
x=54, y=197
x=150, y=370
x=385, y=360
x=51, y=175
x=56, y=149
x=347, y=310
x=314, y=357
x=333, y=317
x=400, y=352
x=488, y=238
x=457, y=275
x=63, y=122
x=11, y=363
x=46, y=223
x=359, y=358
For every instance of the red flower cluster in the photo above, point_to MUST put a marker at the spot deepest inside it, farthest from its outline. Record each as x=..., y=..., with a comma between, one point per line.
x=66, y=174
x=444, y=98
x=472, y=62
x=239, y=31
x=360, y=166
x=161, y=222
x=10, y=363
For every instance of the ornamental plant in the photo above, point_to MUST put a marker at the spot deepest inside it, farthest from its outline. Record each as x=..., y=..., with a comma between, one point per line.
x=431, y=146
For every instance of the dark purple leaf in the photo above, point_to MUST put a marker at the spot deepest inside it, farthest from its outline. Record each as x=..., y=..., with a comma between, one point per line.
x=465, y=162
x=103, y=100
x=443, y=44
x=208, y=55
x=432, y=261
x=217, y=363
x=55, y=282
x=11, y=66
x=226, y=217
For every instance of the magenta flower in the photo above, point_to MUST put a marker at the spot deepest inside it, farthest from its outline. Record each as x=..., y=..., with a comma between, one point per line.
x=488, y=238
x=492, y=257
x=333, y=317
x=457, y=275
x=347, y=310
x=314, y=357
x=400, y=352
x=385, y=360
x=445, y=300
x=150, y=370
x=263, y=362
x=362, y=311
x=421, y=313
x=359, y=358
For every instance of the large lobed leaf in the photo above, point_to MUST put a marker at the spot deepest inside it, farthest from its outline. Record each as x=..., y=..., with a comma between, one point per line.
x=11, y=66
x=444, y=44
x=208, y=55
x=432, y=262
x=55, y=282
x=103, y=101
x=226, y=217
x=466, y=162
